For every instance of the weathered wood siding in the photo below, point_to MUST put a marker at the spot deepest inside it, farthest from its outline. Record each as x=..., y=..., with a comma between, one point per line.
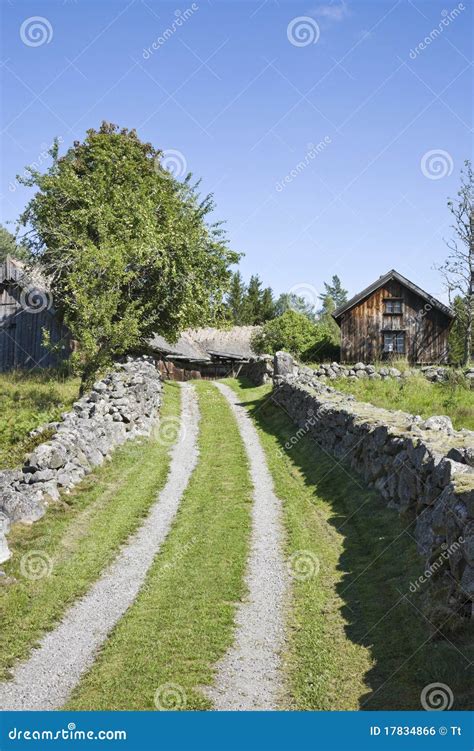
x=426, y=328
x=21, y=331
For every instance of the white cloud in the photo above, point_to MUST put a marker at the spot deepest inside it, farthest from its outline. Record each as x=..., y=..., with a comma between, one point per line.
x=333, y=11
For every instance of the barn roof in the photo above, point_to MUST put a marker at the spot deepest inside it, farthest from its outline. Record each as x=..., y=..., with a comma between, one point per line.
x=205, y=343
x=18, y=272
x=392, y=274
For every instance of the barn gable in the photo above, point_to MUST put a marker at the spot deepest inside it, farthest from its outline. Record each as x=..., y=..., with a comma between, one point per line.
x=26, y=312
x=393, y=316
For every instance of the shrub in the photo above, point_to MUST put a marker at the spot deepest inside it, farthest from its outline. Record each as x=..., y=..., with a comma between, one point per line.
x=292, y=332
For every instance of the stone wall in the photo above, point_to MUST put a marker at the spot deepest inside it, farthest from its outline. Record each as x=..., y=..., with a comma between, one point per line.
x=258, y=370
x=121, y=406
x=432, y=373
x=422, y=468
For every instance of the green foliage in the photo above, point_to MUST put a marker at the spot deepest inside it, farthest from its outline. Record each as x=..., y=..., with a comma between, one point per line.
x=9, y=247
x=236, y=299
x=458, y=333
x=290, y=301
x=126, y=245
x=292, y=332
x=249, y=305
x=334, y=294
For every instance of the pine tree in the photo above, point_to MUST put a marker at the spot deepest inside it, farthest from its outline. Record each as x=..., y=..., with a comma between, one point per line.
x=236, y=299
x=335, y=291
x=267, y=305
x=252, y=303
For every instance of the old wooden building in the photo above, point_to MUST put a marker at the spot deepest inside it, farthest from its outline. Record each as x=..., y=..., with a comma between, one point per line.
x=27, y=319
x=394, y=318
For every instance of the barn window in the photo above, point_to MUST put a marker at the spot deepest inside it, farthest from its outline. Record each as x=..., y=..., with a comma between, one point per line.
x=393, y=306
x=394, y=341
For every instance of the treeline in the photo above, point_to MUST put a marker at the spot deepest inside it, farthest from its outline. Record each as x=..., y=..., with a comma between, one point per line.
x=303, y=327
x=253, y=304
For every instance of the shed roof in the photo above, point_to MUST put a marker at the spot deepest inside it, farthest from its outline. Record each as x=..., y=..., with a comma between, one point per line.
x=392, y=274
x=204, y=343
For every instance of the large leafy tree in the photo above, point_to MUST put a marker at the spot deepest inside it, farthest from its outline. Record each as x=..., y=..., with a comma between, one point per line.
x=458, y=269
x=127, y=247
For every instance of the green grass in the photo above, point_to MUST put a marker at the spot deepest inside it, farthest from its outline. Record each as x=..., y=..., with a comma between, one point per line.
x=353, y=640
x=417, y=396
x=80, y=536
x=28, y=400
x=183, y=619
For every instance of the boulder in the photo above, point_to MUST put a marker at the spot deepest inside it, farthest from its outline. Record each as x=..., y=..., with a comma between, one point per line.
x=283, y=364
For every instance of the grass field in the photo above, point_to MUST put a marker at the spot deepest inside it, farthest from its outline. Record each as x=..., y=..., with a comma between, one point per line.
x=163, y=651
x=77, y=538
x=415, y=395
x=357, y=638
x=28, y=400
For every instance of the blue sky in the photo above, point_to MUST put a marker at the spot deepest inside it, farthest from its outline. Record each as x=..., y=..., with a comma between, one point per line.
x=329, y=137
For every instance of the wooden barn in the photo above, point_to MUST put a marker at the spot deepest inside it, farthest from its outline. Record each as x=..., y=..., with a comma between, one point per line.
x=205, y=353
x=26, y=312
x=394, y=318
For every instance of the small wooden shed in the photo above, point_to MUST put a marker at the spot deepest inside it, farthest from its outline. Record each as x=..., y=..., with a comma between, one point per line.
x=26, y=313
x=394, y=317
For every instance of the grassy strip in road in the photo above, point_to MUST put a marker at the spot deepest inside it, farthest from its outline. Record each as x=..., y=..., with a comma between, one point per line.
x=354, y=640
x=183, y=619
x=78, y=538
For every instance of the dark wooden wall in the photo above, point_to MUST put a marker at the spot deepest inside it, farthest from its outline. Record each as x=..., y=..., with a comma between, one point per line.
x=21, y=331
x=426, y=327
